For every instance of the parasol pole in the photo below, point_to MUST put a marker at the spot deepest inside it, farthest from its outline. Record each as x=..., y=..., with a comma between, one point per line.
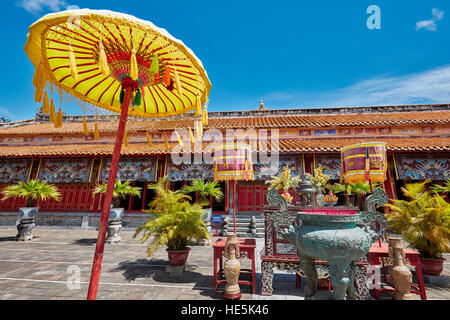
x=127, y=85
x=234, y=205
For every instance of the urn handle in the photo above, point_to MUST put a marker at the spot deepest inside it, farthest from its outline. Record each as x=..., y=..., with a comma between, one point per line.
x=371, y=216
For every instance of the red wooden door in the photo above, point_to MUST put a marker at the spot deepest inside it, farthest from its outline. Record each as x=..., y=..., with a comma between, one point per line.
x=251, y=196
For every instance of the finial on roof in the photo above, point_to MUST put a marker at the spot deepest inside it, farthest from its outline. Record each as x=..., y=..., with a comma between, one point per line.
x=261, y=105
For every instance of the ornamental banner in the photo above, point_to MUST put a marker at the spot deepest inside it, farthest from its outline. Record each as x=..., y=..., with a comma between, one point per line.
x=265, y=171
x=189, y=171
x=233, y=161
x=14, y=170
x=364, y=162
x=331, y=165
x=422, y=167
x=67, y=170
x=132, y=169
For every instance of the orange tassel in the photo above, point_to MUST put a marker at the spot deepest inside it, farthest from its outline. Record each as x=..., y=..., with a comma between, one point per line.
x=45, y=104
x=73, y=63
x=96, y=133
x=85, y=126
x=52, y=112
x=125, y=139
x=191, y=135
x=39, y=82
x=180, y=141
x=134, y=71
x=178, y=82
x=59, y=119
x=166, y=142
x=198, y=106
x=205, y=116
x=166, y=79
x=149, y=140
x=103, y=60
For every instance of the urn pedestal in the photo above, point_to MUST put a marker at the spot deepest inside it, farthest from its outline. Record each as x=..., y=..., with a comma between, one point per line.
x=26, y=223
x=400, y=274
x=232, y=267
x=114, y=225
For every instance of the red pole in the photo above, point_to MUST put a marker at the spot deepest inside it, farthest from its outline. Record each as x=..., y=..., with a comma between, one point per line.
x=98, y=256
x=234, y=205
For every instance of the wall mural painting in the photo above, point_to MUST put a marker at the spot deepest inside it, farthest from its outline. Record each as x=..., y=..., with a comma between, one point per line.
x=189, y=171
x=267, y=170
x=132, y=169
x=65, y=170
x=14, y=170
x=331, y=165
x=325, y=132
x=421, y=167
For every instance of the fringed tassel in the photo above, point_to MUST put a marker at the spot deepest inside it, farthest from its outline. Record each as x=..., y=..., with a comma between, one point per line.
x=180, y=141
x=178, y=83
x=46, y=104
x=198, y=105
x=154, y=67
x=137, y=98
x=166, y=142
x=96, y=134
x=199, y=129
x=59, y=119
x=52, y=112
x=39, y=82
x=125, y=138
x=103, y=60
x=122, y=95
x=205, y=116
x=85, y=126
x=149, y=140
x=191, y=135
x=134, y=71
x=73, y=63
x=166, y=79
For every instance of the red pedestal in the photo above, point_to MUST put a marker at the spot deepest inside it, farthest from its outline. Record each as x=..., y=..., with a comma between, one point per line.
x=245, y=245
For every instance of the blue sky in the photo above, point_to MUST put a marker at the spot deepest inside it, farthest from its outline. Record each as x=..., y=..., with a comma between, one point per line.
x=292, y=54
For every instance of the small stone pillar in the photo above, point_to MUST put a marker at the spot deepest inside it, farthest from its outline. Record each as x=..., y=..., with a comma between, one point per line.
x=26, y=224
x=114, y=225
x=400, y=274
x=232, y=267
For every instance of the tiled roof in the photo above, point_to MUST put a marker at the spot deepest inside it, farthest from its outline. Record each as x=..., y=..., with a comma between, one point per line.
x=279, y=121
x=431, y=144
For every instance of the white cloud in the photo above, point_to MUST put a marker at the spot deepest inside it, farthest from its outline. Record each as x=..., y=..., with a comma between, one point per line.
x=431, y=86
x=430, y=25
x=37, y=6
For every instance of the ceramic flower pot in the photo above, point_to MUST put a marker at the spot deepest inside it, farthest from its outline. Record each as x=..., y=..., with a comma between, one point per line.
x=432, y=267
x=178, y=258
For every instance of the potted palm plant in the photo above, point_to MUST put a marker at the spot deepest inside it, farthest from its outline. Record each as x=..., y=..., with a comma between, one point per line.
x=121, y=190
x=356, y=191
x=424, y=222
x=33, y=191
x=205, y=191
x=173, y=223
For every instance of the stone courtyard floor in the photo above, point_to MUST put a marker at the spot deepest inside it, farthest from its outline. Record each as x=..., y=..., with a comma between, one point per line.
x=48, y=267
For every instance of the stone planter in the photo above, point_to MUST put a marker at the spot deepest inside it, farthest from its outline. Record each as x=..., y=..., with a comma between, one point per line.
x=26, y=223
x=114, y=225
x=178, y=258
x=432, y=267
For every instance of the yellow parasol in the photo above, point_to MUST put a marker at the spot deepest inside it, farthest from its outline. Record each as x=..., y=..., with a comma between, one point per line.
x=91, y=34
x=119, y=63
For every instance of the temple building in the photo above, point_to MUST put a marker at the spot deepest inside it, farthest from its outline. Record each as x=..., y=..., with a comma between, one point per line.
x=417, y=138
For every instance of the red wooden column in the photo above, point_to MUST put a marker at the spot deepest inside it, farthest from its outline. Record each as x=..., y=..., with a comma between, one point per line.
x=128, y=86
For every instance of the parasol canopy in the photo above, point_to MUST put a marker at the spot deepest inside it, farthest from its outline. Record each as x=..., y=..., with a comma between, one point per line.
x=87, y=54
x=364, y=162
